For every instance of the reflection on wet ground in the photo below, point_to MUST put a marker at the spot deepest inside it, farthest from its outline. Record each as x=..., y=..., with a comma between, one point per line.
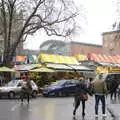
x=47, y=109
x=115, y=101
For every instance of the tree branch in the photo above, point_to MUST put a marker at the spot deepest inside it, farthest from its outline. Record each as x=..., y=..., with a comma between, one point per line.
x=25, y=25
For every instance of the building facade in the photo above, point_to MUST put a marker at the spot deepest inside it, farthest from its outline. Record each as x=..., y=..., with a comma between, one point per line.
x=111, y=42
x=84, y=48
x=69, y=48
x=110, y=46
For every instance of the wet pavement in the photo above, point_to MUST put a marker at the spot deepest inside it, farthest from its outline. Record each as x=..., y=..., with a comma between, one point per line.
x=47, y=109
x=114, y=107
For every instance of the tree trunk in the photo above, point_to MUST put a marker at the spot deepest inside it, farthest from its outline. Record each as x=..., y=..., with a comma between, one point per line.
x=7, y=60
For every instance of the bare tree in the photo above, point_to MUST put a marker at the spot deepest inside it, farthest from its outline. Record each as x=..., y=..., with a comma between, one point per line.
x=20, y=18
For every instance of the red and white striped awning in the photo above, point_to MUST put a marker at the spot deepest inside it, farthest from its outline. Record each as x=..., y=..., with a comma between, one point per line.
x=117, y=57
x=105, y=58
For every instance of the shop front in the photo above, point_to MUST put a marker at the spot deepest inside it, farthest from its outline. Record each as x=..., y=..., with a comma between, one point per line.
x=63, y=65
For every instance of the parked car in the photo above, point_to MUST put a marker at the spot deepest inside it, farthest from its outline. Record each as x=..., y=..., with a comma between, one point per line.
x=61, y=88
x=111, y=78
x=13, y=88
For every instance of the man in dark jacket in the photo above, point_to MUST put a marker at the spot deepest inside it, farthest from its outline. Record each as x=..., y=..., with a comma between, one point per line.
x=80, y=89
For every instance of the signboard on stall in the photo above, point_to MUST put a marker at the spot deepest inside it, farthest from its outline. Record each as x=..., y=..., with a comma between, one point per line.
x=114, y=70
x=102, y=69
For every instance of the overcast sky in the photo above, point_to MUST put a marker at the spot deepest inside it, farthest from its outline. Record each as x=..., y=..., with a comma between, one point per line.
x=100, y=15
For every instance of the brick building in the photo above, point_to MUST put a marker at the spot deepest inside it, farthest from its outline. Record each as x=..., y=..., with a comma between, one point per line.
x=70, y=48
x=110, y=46
x=111, y=42
x=84, y=48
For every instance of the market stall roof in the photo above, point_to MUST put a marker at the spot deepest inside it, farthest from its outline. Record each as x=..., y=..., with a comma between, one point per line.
x=50, y=58
x=105, y=64
x=81, y=57
x=66, y=67
x=105, y=58
x=42, y=69
x=6, y=69
x=80, y=68
x=26, y=67
x=117, y=57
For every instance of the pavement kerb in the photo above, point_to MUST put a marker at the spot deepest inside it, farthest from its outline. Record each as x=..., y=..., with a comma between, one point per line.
x=112, y=112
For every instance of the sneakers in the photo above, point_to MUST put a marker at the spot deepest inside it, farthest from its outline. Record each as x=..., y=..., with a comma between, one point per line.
x=96, y=115
x=104, y=115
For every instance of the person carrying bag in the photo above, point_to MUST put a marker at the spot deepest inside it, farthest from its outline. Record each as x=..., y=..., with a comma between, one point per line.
x=81, y=95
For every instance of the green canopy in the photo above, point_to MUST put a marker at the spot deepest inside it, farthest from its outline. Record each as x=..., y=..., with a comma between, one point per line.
x=42, y=69
x=6, y=69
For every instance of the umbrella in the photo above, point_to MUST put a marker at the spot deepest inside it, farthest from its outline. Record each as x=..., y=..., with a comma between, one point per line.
x=6, y=69
x=42, y=69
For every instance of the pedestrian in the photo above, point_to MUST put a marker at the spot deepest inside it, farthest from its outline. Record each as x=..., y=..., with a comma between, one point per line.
x=118, y=91
x=23, y=90
x=26, y=90
x=113, y=90
x=100, y=91
x=29, y=89
x=80, y=96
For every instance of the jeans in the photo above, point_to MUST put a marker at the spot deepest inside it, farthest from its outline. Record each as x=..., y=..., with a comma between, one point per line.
x=97, y=99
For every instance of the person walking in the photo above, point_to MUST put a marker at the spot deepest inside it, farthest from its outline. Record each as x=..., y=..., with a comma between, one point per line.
x=26, y=90
x=29, y=90
x=23, y=90
x=113, y=90
x=80, y=96
x=100, y=91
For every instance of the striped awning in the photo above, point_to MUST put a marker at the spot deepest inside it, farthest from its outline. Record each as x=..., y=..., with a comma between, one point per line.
x=105, y=58
x=48, y=58
x=117, y=57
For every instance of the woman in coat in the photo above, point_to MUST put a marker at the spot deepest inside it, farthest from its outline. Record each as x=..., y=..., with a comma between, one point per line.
x=81, y=89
